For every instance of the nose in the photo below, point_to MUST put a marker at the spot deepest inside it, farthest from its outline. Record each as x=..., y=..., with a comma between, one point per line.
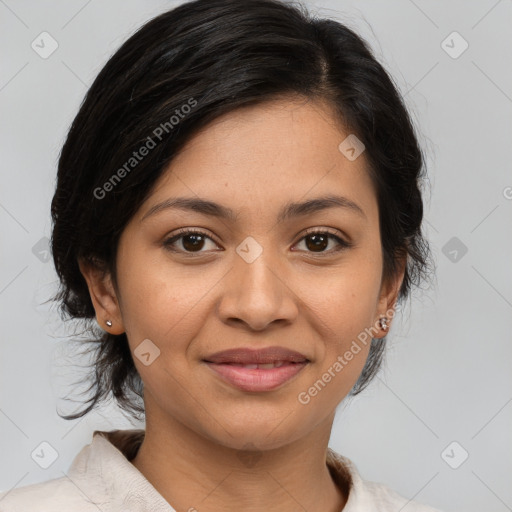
x=257, y=294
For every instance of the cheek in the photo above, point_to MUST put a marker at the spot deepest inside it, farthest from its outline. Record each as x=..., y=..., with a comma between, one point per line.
x=163, y=304
x=341, y=321
x=148, y=287
x=341, y=312
x=344, y=303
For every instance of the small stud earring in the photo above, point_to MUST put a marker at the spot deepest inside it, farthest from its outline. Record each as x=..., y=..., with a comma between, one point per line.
x=109, y=323
x=384, y=323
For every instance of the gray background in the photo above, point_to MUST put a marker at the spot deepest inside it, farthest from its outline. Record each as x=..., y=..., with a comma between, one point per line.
x=447, y=375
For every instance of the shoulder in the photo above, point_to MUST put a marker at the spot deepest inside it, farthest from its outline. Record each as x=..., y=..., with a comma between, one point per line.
x=50, y=496
x=386, y=499
x=366, y=495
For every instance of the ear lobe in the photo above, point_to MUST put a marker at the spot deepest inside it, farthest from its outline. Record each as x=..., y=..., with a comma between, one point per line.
x=389, y=294
x=103, y=297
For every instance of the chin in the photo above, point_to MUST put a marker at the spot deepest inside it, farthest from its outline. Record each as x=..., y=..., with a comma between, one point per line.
x=256, y=435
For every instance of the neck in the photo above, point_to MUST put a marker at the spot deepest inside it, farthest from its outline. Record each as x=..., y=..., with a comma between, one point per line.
x=192, y=472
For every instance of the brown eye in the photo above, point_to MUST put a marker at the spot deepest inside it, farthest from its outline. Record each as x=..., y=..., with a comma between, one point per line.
x=191, y=241
x=318, y=242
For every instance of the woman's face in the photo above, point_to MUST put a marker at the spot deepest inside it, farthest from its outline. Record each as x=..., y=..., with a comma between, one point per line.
x=255, y=280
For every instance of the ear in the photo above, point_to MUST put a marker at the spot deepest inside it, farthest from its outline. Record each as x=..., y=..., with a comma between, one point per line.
x=388, y=296
x=103, y=296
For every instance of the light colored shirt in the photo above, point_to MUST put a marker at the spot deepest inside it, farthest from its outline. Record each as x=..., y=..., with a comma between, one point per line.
x=102, y=479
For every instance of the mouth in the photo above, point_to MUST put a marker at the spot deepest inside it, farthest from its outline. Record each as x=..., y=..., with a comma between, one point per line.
x=275, y=356
x=259, y=370
x=261, y=366
x=261, y=376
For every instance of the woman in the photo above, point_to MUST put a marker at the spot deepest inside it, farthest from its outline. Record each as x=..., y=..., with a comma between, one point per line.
x=238, y=207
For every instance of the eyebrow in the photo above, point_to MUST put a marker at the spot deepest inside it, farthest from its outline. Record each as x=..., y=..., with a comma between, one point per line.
x=290, y=210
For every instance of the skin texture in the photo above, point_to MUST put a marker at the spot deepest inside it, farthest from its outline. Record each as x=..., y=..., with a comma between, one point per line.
x=191, y=305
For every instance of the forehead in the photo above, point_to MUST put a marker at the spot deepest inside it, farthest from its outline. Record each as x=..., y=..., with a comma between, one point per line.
x=265, y=155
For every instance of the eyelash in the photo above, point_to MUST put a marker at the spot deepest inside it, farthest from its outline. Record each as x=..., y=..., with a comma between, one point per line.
x=342, y=244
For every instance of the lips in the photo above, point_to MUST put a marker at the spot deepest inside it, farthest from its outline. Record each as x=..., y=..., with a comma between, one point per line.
x=275, y=356
x=257, y=370
x=255, y=366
